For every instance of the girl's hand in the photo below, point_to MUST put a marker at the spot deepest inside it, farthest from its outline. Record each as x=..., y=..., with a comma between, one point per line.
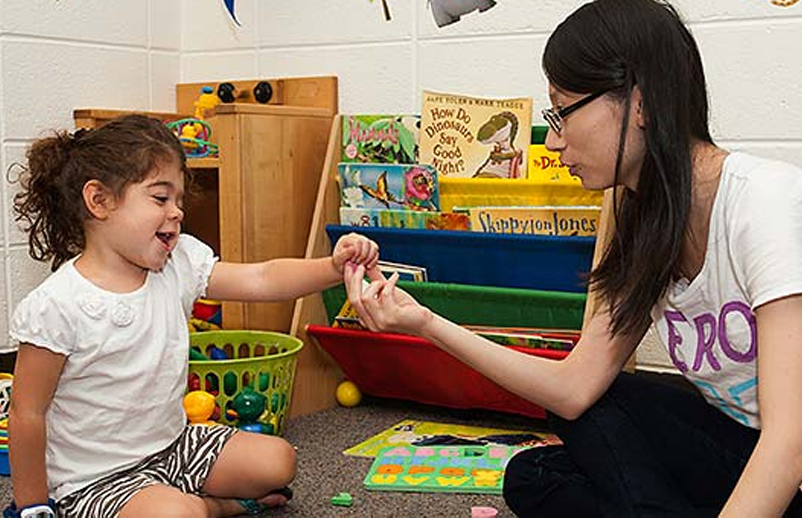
x=382, y=306
x=357, y=249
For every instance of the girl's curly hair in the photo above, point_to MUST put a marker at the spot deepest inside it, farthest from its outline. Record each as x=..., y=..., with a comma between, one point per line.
x=50, y=205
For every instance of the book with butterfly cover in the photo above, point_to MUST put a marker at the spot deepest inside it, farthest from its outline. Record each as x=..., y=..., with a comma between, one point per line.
x=389, y=186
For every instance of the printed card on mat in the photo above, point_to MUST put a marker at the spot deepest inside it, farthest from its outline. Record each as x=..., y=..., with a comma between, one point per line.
x=389, y=186
x=474, y=137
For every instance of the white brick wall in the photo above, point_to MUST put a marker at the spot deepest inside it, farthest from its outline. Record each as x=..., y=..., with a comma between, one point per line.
x=60, y=55
x=56, y=56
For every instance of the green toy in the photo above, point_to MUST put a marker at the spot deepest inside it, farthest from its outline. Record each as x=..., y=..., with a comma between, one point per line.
x=247, y=407
x=342, y=499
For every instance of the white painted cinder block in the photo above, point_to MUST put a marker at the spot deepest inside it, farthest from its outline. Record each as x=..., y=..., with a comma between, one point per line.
x=503, y=18
x=165, y=24
x=28, y=274
x=728, y=10
x=218, y=66
x=314, y=22
x=44, y=82
x=371, y=78
x=119, y=22
x=165, y=71
x=755, y=88
x=207, y=25
x=475, y=67
x=4, y=309
x=13, y=153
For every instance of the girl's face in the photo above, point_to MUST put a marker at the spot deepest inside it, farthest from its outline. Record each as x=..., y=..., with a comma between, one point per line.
x=588, y=142
x=144, y=226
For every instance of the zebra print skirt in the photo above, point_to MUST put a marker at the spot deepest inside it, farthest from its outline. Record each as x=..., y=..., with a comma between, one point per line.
x=185, y=465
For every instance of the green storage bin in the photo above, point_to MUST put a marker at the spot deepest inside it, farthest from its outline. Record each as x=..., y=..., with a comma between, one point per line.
x=486, y=305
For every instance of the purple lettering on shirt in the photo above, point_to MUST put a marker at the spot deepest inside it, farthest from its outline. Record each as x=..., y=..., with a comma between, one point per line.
x=726, y=347
x=675, y=338
x=705, y=340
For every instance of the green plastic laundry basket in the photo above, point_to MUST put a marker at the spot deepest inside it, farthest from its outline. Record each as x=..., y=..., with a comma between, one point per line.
x=262, y=360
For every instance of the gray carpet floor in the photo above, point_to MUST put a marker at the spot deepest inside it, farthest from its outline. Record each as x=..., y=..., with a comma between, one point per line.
x=324, y=471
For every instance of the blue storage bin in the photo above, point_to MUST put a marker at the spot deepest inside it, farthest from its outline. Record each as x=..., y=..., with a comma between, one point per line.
x=479, y=258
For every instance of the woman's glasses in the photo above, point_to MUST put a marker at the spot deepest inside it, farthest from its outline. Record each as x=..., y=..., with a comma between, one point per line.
x=555, y=116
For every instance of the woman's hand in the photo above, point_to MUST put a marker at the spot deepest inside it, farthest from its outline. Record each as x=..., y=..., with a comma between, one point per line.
x=381, y=305
x=357, y=249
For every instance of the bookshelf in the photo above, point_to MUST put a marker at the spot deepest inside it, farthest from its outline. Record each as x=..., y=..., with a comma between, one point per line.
x=311, y=309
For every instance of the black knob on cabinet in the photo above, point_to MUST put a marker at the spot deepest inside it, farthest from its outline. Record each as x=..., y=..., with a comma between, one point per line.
x=227, y=92
x=262, y=92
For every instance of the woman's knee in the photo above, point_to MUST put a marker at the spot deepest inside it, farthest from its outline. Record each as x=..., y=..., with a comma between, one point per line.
x=545, y=482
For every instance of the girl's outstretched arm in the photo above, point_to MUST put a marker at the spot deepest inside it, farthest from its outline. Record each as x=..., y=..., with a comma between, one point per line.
x=774, y=471
x=36, y=376
x=566, y=387
x=284, y=279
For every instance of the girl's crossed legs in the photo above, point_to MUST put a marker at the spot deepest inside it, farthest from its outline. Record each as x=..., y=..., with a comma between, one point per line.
x=204, y=473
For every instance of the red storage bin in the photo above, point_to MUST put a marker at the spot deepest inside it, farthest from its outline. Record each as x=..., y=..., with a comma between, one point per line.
x=412, y=368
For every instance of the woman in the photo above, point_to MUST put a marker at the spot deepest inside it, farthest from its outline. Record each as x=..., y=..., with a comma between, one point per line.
x=707, y=247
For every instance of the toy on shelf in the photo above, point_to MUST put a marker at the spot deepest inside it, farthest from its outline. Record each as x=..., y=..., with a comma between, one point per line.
x=194, y=133
x=199, y=406
x=207, y=101
x=228, y=93
x=247, y=407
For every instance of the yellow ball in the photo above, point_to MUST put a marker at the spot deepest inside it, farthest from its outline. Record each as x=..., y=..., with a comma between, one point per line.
x=348, y=394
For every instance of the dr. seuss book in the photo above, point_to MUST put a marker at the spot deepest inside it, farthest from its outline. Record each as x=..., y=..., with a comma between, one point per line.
x=401, y=218
x=387, y=139
x=389, y=186
x=545, y=167
x=538, y=220
x=473, y=137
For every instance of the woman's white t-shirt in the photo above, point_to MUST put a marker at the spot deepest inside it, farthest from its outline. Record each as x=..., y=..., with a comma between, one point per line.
x=754, y=256
x=119, y=395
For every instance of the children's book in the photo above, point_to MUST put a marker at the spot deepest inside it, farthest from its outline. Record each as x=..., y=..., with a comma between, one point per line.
x=473, y=137
x=389, y=186
x=538, y=338
x=400, y=218
x=388, y=139
x=538, y=220
x=452, y=469
x=410, y=432
x=348, y=318
x=545, y=167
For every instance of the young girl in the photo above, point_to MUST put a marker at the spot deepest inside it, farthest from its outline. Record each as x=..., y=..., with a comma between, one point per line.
x=707, y=247
x=96, y=421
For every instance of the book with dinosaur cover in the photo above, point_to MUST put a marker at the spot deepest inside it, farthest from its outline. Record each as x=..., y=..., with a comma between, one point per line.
x=474, y=137
x=389, y=186
x=537, y=220
x=387, y=139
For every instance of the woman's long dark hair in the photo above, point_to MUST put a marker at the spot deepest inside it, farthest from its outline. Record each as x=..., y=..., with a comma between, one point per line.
x=613, y=45
x=50, y=206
